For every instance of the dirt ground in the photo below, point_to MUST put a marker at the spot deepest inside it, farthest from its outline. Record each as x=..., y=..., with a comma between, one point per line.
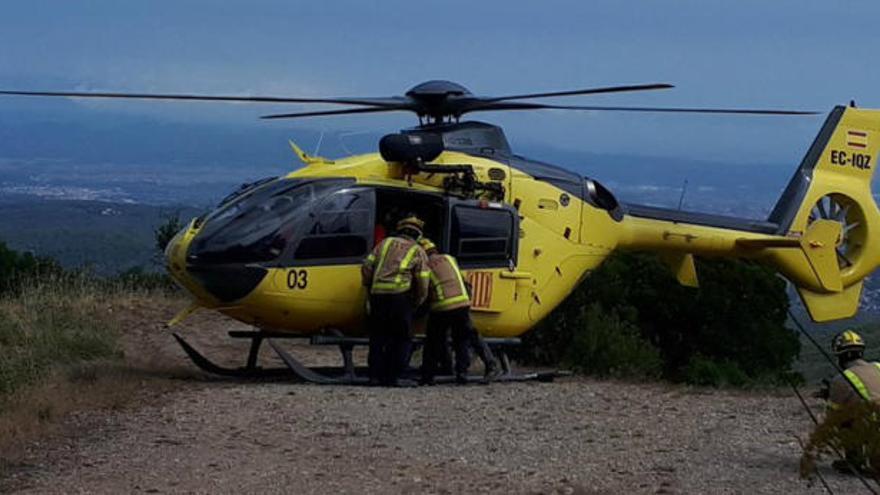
x=573, y=436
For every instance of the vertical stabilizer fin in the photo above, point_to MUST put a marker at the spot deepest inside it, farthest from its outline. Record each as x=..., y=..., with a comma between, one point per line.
x=683, y=267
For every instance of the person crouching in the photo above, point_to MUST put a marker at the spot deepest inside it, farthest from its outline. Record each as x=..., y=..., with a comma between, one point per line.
x=450, y=308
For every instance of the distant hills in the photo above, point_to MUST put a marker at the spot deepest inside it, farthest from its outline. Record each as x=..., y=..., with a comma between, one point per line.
x=88, y=188
x=162, y=162
x=104, y=237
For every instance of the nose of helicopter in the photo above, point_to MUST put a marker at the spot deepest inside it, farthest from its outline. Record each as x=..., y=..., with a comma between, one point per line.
x=223, y=256
x=209, y=280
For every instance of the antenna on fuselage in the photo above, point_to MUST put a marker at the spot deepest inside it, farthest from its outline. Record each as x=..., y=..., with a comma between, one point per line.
x=320, y=140
x=684, y=187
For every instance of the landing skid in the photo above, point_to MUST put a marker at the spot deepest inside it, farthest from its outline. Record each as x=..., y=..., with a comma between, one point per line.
x=348, y=373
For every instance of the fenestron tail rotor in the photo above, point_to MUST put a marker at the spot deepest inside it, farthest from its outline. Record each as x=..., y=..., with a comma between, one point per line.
x=437, y=101
x=844, y=210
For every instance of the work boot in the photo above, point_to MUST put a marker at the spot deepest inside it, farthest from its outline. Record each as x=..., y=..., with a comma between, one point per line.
x=461, y=379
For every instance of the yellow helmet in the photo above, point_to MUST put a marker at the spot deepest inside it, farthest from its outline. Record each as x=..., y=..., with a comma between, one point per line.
x=411, y=222
x=427, y=245
x=847, y=341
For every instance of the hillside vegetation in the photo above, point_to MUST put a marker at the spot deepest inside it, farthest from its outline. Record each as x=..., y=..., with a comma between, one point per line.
x=49, y=325
x=104, y=238
x=631, y=318
x=61, y=346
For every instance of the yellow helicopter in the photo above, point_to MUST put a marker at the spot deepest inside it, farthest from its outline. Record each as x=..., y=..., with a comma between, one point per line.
x=284, y=254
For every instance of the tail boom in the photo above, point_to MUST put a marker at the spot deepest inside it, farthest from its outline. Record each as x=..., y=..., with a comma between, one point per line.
x=823, y=235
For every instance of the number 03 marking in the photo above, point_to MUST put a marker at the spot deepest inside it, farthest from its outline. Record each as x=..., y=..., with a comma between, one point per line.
x=297, y=279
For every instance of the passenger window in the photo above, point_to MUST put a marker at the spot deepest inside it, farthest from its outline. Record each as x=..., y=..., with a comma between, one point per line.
x=341, y=228
x=482, y=236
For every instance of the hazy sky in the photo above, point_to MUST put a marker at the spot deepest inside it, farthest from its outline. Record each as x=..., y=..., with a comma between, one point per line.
x=781, y=54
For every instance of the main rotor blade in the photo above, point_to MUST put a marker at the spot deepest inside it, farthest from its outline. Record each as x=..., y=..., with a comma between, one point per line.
x=374, y=102
x=587, y=91
x=346, y=111
x=538, y=106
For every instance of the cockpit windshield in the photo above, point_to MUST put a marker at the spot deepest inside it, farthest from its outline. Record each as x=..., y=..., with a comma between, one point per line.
x=258, y=225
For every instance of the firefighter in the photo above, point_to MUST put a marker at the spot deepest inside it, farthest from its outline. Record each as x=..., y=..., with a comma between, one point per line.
x=450, y=309
x=860, y=381
x=863, y=377
x=396, y=276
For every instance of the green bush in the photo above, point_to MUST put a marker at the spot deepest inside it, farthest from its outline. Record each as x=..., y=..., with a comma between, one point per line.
x=714, y=373
x=608, y=346
x=17, y=267
x=735, y=320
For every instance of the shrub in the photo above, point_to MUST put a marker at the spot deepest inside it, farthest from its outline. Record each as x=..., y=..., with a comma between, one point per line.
x=17, y=267
x=735, y=321
x=608, y=346
x=853, y=430
x=715, y=373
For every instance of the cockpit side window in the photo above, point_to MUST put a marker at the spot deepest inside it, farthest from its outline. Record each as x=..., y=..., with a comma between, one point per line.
x=259, y=225
x=340, y=231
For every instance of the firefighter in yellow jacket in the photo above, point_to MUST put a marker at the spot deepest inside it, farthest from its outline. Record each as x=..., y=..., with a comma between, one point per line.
x=397, y=278
x=450, y=307
x=860, y=381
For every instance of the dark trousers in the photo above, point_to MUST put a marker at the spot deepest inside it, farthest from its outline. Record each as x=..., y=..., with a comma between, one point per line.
x=390, y=327
x=464, y=337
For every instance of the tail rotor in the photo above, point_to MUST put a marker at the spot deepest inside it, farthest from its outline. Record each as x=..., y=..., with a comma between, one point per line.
x=847, y=212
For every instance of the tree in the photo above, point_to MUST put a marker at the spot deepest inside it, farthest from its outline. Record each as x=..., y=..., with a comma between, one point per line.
x=165, y=232
x=732, y=327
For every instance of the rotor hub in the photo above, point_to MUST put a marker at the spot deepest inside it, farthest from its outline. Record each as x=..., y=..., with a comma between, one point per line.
x=437, y=89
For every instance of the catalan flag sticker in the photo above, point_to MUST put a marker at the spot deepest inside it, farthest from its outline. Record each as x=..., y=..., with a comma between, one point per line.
x=481, y=289
x=857, y=139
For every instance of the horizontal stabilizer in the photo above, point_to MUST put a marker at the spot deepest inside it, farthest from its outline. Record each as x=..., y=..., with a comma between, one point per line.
x=819, y=243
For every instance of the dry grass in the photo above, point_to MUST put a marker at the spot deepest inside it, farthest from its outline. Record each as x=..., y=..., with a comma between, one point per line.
x=37, y=411
x=50, y=325
x=62, y=352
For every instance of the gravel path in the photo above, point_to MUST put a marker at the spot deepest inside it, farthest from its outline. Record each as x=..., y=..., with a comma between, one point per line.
x=573, y=436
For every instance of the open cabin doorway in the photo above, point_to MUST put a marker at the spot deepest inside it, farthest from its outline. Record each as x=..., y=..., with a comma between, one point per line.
x=392, y=205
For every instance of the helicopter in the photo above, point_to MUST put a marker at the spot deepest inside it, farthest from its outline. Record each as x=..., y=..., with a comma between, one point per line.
x=284, y=254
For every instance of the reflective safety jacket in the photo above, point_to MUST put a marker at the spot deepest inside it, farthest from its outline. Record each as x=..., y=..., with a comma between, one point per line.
x=865, y=380
x=448, y=291
x=397, y=265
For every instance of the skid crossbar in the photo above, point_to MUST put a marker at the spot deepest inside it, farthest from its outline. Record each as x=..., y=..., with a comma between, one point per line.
x=348, y=373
